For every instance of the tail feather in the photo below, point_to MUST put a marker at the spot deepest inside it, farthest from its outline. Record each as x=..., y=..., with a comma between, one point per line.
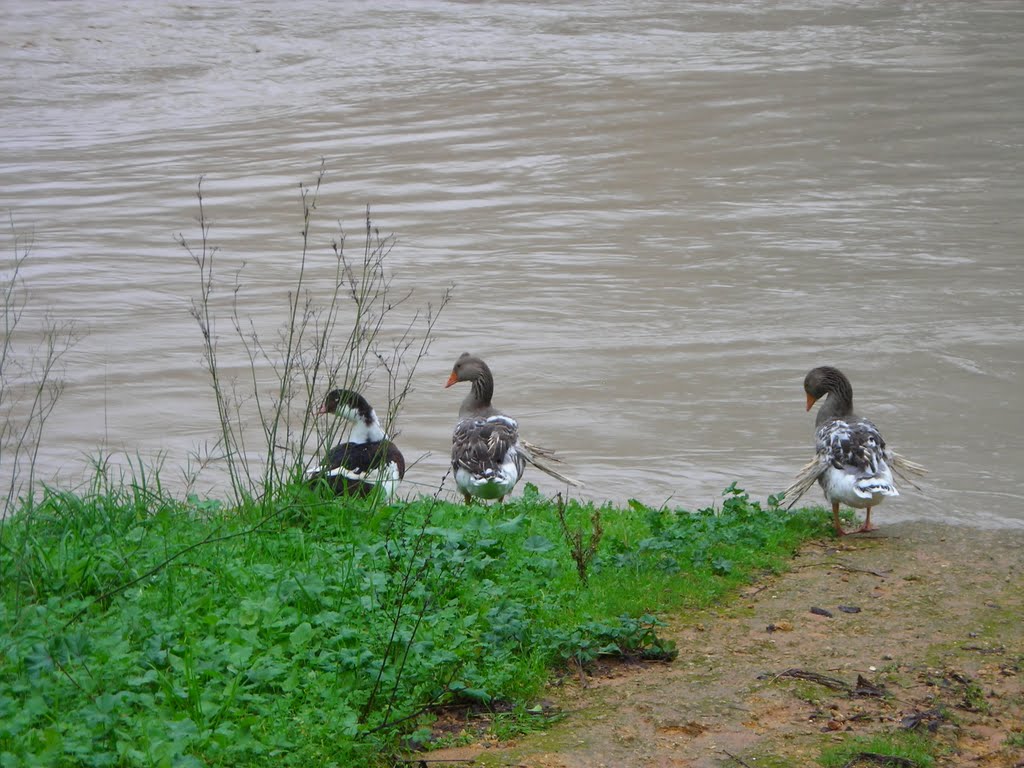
x=542, y=459
x=870, y=487
x=904, y=467
x=807, y=477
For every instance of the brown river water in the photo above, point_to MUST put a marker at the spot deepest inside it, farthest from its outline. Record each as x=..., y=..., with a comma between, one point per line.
x=657, y=216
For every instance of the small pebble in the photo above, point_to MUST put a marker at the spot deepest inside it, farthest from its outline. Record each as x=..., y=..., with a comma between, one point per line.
x=849, y=609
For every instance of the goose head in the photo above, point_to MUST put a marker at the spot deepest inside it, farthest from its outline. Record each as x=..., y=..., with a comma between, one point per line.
x=826, y=380
x=347, y=404
x=474, y=370
x=469, y=368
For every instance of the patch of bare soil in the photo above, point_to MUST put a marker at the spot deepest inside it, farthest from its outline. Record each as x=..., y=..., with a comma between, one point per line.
x=915, y=626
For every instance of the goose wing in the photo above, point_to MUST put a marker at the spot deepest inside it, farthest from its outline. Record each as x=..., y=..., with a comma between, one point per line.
x=482, y=445
x=361, y=458
x=855, y=447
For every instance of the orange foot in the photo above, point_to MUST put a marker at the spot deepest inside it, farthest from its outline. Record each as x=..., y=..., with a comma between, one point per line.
x=867, y=522
x=835, y=520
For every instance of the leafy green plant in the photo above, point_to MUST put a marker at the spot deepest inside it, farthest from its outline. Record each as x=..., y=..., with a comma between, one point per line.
x=144, y=630
x=625, y=637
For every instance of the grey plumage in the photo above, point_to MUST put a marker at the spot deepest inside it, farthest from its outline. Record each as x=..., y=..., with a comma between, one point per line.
x=488, y=455
x=852, y=463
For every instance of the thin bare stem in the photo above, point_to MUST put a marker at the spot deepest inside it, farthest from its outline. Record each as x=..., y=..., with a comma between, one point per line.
x=31, y=363
x=339, y=340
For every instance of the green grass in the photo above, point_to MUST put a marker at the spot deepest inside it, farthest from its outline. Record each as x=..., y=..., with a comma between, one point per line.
x=139, y=630
x=919, y=749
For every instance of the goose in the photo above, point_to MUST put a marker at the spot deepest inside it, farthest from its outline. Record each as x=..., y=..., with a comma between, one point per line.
x=369, y=460
x=852, y=463
x=488, y=455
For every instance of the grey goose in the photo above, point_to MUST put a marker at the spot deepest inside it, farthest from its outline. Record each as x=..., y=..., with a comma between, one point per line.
x=852, y=463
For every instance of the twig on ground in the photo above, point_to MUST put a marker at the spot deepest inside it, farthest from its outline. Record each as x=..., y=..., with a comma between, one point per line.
x=865, y=687
x=581, y=672
x=868, y=571
x=814, y=677
x=731, y=756
x=930, y=717
x=982, y=649
x=845, y=567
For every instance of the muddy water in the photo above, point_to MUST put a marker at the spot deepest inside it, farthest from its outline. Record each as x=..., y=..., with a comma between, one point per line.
x=657, y=217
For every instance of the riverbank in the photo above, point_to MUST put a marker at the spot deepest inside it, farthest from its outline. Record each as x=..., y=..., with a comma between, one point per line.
x=914, y=628
x=304, y=629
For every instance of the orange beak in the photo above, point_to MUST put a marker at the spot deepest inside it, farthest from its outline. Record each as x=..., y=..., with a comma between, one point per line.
x=811, y=400
x=452, y=380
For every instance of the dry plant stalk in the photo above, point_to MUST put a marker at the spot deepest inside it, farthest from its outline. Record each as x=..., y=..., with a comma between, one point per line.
x=31, y=364
x=582, y=554
x=339, y=338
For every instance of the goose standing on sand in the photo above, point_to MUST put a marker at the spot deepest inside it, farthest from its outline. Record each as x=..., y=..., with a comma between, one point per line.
x=369, y=460
x=852, y=464
x=488, y=456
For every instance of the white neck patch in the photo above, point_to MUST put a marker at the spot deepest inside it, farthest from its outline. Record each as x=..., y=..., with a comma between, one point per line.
x=366, y=433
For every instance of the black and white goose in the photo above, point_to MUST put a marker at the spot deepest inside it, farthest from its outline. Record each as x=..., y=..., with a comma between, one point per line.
x=488, y=455
x=852, y=463
x=369, y=460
